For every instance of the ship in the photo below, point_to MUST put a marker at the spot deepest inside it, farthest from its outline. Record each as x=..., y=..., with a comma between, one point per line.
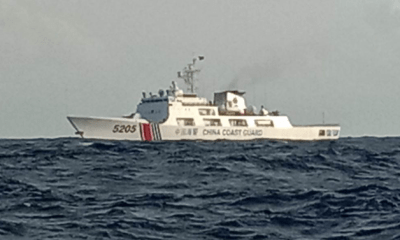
x=175, y=115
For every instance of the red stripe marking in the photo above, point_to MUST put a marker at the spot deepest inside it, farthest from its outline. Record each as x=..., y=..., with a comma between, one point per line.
x=146, y=131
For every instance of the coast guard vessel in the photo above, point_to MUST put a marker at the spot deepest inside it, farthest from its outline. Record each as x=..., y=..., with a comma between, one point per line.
x=175, y=115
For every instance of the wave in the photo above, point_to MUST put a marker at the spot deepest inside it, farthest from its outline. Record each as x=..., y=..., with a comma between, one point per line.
x=71, y=188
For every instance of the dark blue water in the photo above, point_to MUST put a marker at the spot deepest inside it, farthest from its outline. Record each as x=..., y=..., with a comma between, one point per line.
x=78, y=189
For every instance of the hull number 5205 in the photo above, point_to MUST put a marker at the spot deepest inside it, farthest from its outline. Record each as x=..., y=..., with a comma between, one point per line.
x=124, y=129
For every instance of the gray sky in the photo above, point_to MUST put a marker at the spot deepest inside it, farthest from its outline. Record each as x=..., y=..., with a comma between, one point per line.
x=95, y=57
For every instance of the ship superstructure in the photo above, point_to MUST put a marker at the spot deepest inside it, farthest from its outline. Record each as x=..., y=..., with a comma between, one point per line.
x=175, y=115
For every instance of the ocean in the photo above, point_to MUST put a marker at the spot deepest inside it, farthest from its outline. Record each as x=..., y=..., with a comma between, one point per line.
x=70, y=188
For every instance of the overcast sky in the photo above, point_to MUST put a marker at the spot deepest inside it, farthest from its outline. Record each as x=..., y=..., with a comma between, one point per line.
x=303, y=58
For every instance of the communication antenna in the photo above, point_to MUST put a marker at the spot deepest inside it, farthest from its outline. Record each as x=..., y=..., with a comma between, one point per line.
x=188, y=73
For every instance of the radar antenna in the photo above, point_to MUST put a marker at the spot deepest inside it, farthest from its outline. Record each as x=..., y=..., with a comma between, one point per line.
x=188, y=73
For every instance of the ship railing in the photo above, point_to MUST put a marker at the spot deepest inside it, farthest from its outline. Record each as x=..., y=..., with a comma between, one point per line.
x=232, y=113
x=197, y=104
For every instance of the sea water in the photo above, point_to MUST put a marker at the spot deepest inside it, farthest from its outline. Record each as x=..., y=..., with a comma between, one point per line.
x=69, y=188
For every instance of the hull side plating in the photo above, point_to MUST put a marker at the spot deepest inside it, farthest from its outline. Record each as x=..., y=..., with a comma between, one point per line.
x=141, y=130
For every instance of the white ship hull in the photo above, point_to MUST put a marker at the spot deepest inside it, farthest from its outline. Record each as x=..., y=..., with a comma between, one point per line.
x=141, y=130
x=173, y=115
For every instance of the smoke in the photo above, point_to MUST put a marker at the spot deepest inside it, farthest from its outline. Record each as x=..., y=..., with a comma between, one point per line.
x=268, y=71
x=232, y=85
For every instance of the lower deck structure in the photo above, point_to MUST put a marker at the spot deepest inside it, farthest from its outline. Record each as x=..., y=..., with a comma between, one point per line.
x=140, y=130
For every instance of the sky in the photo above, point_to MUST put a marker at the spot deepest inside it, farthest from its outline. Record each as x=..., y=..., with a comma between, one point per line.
x=308, y=59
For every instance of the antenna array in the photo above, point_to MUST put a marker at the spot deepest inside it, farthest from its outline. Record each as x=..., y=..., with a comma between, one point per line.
x=188, y=74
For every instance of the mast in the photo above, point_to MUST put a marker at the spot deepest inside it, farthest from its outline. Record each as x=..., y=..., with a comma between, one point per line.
x=188, y=73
